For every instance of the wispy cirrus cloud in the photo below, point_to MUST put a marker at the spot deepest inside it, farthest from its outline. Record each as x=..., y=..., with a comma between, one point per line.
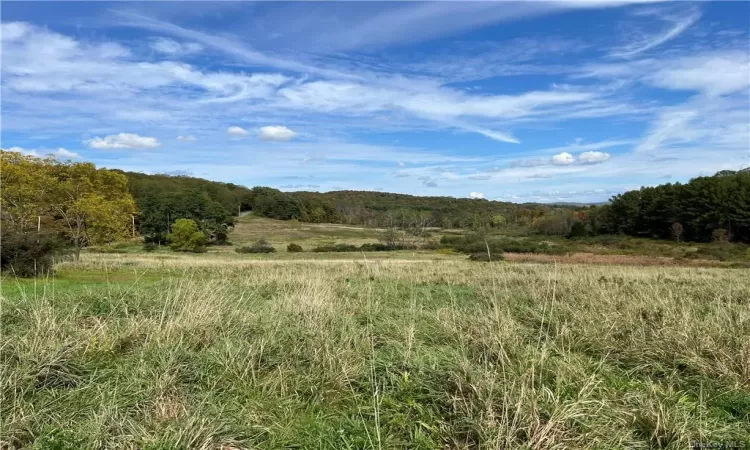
x=171, y=47
x=714, y=73
x=677, y=22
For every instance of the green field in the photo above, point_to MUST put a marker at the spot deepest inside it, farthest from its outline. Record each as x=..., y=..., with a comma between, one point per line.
x=403, y=350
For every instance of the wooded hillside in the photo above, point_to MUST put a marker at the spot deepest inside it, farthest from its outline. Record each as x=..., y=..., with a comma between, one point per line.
x=82, y=199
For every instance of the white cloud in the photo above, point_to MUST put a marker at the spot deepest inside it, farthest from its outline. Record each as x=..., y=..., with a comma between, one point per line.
x=593, y=157
x=24, y=151
x=60, y=153
x=187, y=138
x=171, y=47
x=476, y=195
x=276, y=133
x=14, y=31
x=237, y=131
x=715, y=124
x=563, y=159
x=716, y=73
x=713, y=73
x=678, y=24
x=65, y=154
x=123, y=140
x=48, y=62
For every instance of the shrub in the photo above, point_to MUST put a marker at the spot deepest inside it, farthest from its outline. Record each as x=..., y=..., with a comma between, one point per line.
x=451, y=240
x=186, y=237
x=294, y=248
x=369, y=247
x=28, y=254
x=336, y=248
x=260, y=246
x=384, y=247
x=149, y=247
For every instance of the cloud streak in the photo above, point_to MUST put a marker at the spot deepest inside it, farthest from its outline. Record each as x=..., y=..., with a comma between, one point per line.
x=677, y=25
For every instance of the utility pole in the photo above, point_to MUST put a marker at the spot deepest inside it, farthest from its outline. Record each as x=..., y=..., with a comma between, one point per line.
x=132, y=217
x=38, y=224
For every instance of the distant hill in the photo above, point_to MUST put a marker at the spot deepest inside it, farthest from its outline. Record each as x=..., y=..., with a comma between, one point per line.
x=162, y=198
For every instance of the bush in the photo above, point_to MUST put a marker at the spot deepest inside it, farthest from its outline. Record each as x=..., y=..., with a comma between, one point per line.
x=149, y=247
x=186, y=237
x=336, y=248
x=377, y=247
x=451, y=240
x=260, y=246
x=30, y=254
x=384, y=247
x=294, y=248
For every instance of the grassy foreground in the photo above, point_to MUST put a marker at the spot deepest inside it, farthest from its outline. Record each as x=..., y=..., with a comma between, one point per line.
x=213, y=352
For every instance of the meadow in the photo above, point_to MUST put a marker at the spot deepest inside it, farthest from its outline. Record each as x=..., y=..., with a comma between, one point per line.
x=413, y=350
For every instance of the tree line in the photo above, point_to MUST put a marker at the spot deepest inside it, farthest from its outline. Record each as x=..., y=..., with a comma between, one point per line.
x=83, y=205
x=708, y=208
x=381, y=209
x=704, y=209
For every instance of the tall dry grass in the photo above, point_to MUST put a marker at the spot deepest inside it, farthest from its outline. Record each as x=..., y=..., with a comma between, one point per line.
x=212, y=352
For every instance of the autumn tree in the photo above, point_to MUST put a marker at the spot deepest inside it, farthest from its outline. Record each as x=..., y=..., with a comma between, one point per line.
x=86, y=204
x=187, y=237
x=93, y=205
x=25, y=186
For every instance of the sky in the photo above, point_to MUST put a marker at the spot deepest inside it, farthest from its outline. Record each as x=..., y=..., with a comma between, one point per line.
x=571, y=101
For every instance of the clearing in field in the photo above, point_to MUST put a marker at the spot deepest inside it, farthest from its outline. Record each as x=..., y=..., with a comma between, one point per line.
x=219, y=351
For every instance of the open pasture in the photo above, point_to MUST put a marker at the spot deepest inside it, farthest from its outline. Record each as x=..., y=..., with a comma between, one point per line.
x=220, y=351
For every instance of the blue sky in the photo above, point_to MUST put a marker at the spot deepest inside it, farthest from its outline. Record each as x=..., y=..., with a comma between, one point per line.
x=524, y=102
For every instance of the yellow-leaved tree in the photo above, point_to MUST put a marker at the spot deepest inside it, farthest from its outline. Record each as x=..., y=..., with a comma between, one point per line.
x=89, y=205
x=24, y=185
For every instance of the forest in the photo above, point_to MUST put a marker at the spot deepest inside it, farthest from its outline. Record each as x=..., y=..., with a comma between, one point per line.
x=708, y=208
x=86, y=206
